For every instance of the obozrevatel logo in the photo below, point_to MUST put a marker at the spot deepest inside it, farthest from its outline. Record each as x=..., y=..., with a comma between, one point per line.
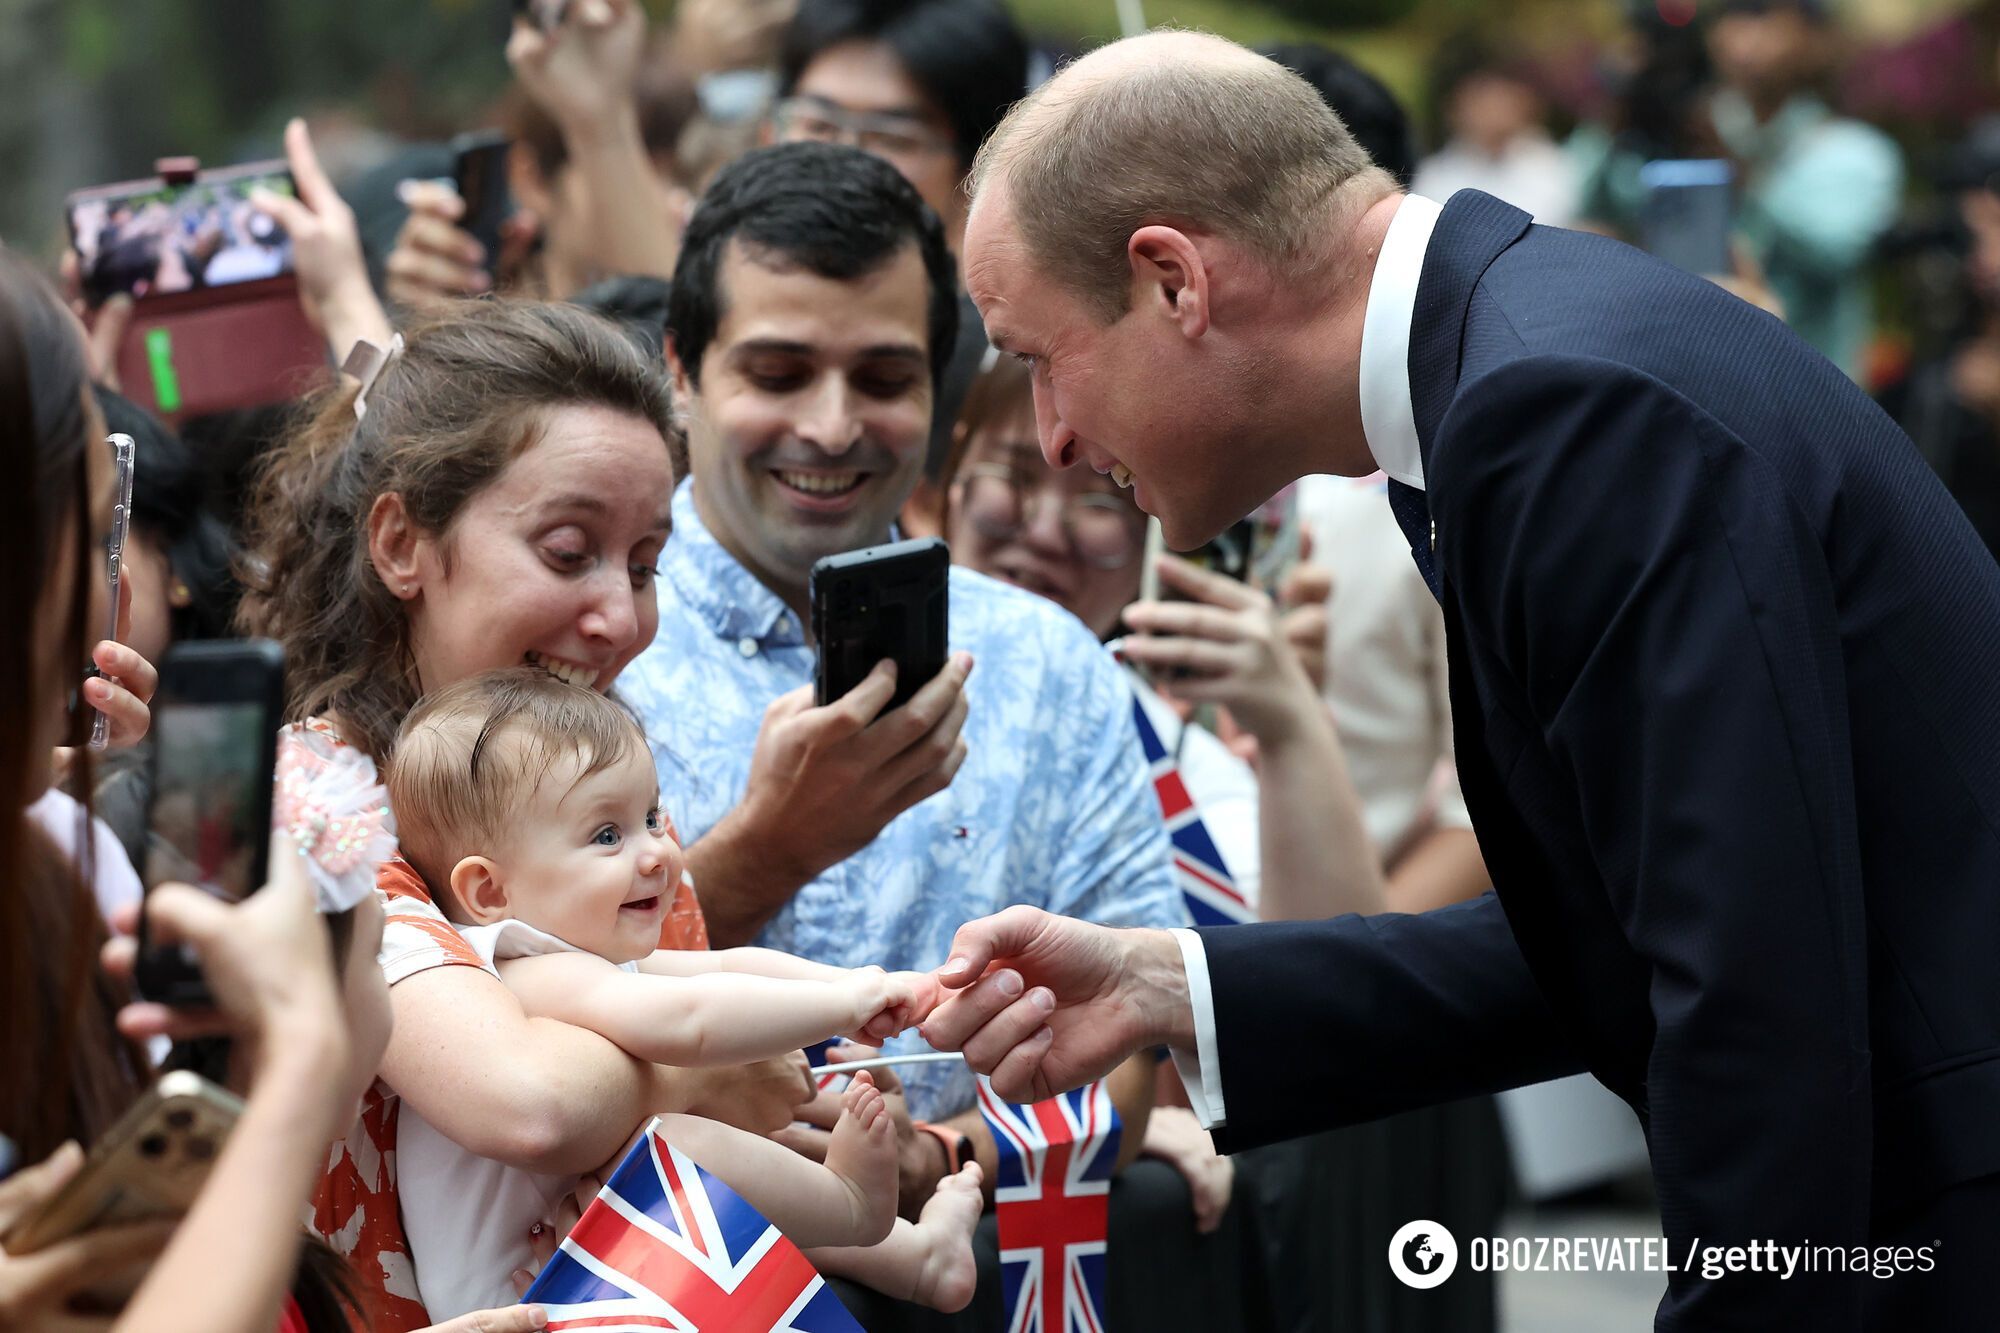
x=1422, y=1254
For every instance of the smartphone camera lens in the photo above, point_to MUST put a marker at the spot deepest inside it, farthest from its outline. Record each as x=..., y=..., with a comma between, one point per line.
x=154, y=1145
x=180, y=1119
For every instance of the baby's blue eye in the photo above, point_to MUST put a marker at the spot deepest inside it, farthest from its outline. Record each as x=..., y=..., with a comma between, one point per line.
x=606, y=836
x=655, y=821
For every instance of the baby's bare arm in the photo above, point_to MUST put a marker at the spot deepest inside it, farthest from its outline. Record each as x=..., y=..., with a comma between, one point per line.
x=749, y=961
x=715, y=1018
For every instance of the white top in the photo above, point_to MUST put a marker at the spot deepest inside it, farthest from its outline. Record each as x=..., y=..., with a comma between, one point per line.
x=467, y=1217
x=1532, y=172
x=1391, y=433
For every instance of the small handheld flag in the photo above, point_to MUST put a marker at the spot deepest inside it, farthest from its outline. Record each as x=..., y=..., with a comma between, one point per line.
x=667, y=1246
x=1052, y=1200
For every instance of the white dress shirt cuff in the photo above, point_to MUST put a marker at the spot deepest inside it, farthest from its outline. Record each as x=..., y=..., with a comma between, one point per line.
x=1200, y=1069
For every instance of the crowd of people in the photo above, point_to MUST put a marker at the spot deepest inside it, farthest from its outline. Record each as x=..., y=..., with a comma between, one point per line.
x=542, y=568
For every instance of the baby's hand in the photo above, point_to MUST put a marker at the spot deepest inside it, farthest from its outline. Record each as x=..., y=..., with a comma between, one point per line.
x=896, y=1000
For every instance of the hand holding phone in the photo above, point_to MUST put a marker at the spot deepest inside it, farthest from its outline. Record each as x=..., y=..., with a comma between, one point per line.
x=149, y=1165
x=881, y=603
x=215, y=731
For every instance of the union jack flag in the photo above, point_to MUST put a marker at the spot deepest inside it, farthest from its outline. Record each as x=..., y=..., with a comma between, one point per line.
x=667, y=1246
x=1052, y=1201
x=1212, y=896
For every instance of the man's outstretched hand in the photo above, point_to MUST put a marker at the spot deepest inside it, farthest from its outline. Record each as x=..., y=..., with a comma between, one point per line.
x=1047, y=1003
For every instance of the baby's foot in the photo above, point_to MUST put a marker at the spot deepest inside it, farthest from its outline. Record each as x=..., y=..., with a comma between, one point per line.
x=944, y=1230
x=863, y=1155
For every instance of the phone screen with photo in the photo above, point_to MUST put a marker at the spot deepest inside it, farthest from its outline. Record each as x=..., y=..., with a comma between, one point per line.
x=211, y=795
x=154, y=239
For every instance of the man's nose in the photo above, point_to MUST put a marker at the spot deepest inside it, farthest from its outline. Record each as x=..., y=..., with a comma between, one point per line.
x=830, y=421
x=1058, y=441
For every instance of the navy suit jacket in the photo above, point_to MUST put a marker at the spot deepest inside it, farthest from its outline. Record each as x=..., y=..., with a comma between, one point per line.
x=1725, y=677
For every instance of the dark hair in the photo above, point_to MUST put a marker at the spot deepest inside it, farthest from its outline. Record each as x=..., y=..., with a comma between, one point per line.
x=463, y=400
x=71, y=1073
x=170, y=503
x=1363, y=102
x=832, y=210
x=967, y=55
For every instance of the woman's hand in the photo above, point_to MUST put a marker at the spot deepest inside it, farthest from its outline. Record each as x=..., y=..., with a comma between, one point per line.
x=49, y=1291
x=582, y=73
x=326, y=250
x=1174, y=1136
x=1231, y=643
x=124, y=686
x=269, y=968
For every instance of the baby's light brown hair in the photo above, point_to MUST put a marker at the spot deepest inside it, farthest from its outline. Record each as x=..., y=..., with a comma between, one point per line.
x=469, y=755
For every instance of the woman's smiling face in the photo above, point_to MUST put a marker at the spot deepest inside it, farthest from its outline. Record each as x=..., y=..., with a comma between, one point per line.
x=552, y=564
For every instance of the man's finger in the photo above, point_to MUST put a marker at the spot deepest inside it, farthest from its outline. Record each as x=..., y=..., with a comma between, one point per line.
x=988, y=1048
x=978, y=943
x=860, y=706
x=931, y=705
x=1019, y=1076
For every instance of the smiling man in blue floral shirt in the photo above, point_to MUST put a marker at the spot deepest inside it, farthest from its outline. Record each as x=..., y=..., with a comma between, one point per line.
x=813, y=308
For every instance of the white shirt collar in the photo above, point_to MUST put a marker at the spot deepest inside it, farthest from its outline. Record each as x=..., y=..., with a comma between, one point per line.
x=1388, y=413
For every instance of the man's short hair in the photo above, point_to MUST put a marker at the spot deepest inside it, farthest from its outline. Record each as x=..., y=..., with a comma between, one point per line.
x=968, y=56
x=826, y=208
x=1242, y=149
x=469, y=756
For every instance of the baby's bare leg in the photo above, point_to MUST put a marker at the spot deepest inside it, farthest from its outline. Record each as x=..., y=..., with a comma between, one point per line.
x=851, y=1200
x=929, y=1262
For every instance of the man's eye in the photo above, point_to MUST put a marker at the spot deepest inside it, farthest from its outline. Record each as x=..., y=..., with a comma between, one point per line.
x=885, y=386
x=606, y=836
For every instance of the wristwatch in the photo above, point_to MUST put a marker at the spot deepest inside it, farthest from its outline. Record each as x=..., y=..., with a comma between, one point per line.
x=957, y=1146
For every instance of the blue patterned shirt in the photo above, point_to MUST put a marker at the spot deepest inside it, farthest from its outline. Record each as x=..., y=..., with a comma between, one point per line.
x=1052, y=807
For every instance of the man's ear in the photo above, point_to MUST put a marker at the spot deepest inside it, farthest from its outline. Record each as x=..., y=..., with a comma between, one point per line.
x=683, y=382
x=396, y=546
x=1170, y=275
x=479, y=891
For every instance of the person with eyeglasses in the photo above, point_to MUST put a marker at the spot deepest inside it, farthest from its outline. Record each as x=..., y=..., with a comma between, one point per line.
x=919, y=84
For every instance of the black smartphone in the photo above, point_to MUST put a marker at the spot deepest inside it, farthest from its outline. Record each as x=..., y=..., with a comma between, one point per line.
x=479, y=171
x=1687, y=213
x=214, y=761
x=881, y=601
x=155, y=238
